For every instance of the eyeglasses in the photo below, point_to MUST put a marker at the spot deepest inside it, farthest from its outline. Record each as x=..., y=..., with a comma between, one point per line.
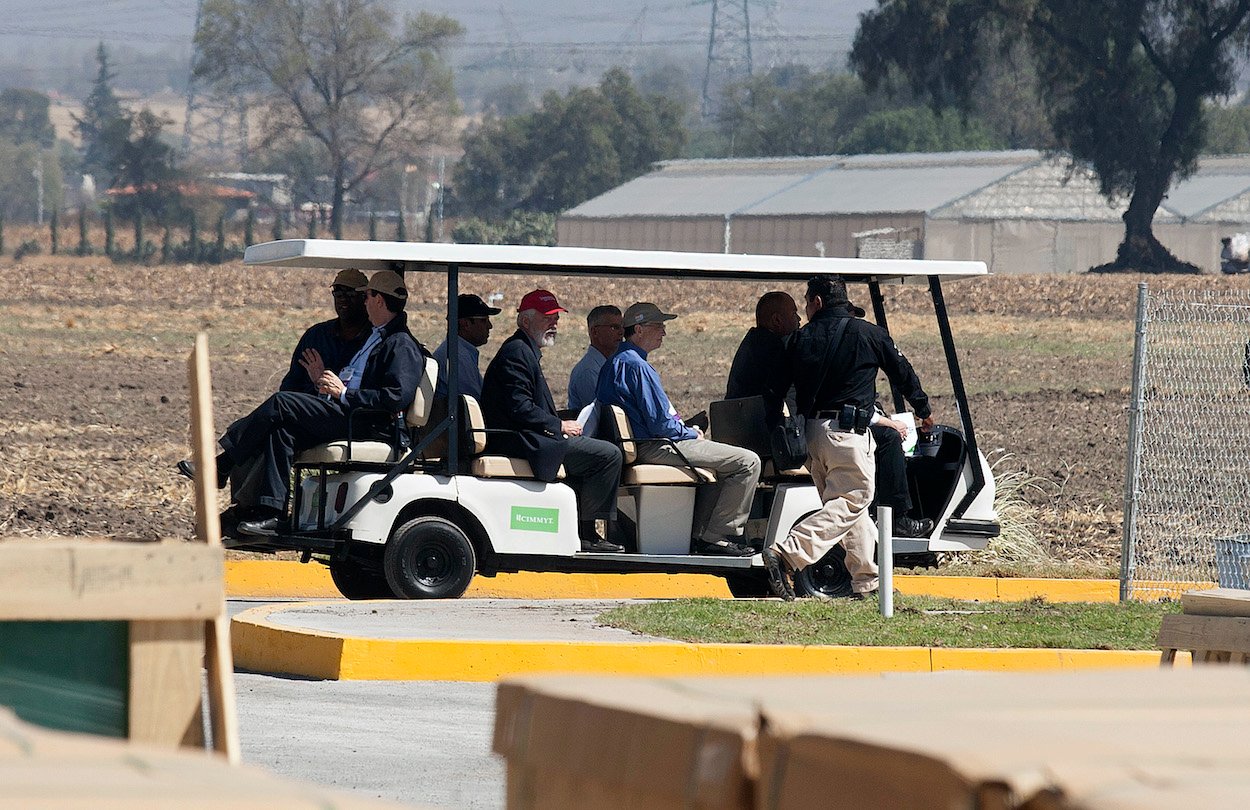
x=343, y=292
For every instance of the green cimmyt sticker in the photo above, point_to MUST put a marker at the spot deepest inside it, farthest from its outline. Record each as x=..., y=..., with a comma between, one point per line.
x=535, y=519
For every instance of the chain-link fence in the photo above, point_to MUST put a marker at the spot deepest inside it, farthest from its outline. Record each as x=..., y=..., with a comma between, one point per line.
x=1187, y=494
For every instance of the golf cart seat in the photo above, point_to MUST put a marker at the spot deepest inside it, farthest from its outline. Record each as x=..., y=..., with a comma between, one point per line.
x=741, y=422
x=418, y=416
x=489, y=466
x=614, y=427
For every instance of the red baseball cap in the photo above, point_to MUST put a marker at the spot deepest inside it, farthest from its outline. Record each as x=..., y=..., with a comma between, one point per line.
x=542, y=301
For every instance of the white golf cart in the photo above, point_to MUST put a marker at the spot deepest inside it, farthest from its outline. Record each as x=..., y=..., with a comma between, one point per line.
x=419, y=516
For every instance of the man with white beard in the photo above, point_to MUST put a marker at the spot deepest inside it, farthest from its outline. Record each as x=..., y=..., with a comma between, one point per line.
x=516, y=399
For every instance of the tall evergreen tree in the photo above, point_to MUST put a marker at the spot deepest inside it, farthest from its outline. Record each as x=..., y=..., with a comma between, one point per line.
x=98, y=126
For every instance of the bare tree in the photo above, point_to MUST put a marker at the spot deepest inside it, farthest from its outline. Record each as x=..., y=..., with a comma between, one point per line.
x=369, y=88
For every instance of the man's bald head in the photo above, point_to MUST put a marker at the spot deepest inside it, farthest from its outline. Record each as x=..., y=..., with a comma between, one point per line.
x=777, y=312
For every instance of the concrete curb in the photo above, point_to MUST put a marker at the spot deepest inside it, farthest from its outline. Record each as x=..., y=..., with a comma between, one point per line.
x=263, y=645
x=281, y=578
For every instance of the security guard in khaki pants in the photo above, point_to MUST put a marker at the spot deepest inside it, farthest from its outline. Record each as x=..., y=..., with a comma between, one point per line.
x=833, y=363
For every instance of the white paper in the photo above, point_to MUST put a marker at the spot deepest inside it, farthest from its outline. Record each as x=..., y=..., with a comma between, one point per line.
x=909, y=441
x=588, y=418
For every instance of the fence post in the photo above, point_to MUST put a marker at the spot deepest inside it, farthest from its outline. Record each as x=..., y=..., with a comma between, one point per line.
x=1128, y=562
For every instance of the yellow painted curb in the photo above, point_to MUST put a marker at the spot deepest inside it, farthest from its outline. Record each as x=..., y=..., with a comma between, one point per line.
x=262, y=645
x=284, y=578
x=287, y=578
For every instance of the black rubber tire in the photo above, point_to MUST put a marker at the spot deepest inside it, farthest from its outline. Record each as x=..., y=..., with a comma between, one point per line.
x=429, y=558
x=355, y=581
x=826, y=579
x=748, y=584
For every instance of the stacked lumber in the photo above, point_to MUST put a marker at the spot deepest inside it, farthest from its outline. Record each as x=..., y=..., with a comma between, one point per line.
x=1214, y=628
x=1114, y=739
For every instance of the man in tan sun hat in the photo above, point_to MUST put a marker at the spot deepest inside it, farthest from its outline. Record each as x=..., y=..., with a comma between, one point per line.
x=381, y=377
x=330, y=344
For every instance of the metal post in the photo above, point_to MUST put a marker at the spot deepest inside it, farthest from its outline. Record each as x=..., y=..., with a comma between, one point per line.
x=885, y=560
x=1128, y=550
x=728, y=232
x=453, y=367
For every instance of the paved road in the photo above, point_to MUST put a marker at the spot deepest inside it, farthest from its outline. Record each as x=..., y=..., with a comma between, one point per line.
x=424, y=743
x=420, y=742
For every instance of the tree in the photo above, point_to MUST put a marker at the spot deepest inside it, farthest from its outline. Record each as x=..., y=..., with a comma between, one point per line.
x=572, y=148
x=24, y=117
x=1228, y=131
x=1123, y=82
x=101, y=123
x=917, y=129
x=369, y=89
x=144, y=167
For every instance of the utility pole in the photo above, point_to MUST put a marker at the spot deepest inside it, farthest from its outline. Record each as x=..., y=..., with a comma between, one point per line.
x=215, y=127
x=442, y=182
x=38, y=175
x=728, y=49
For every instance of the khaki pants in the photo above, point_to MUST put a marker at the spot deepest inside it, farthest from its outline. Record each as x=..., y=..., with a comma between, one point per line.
x=843, y=469
x=720, y=509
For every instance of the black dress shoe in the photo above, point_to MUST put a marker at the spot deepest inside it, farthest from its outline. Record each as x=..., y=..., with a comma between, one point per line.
x=722, y=546
x=264, y=527
x=777, y=579
x=187, y=467
x=905, y=526
x=598, y=544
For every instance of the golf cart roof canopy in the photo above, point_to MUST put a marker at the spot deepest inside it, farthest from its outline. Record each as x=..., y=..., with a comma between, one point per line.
x=576, y=261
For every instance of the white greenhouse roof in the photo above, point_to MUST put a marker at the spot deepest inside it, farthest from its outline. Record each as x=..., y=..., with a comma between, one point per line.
x=1021, y=184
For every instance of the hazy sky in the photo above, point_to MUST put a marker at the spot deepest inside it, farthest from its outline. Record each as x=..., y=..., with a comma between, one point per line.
x=169, y=23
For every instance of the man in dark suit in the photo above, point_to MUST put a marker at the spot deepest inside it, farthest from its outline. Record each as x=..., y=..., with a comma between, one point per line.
x=515, y=398
x=381, y=379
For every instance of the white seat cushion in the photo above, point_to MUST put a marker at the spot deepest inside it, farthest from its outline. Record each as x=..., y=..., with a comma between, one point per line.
x=664, y=474
x=504, y=467
x=337, y=451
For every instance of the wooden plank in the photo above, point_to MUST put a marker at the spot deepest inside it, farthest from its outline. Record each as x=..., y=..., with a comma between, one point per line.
x=1217, y=602
x=203, y=444
x=218, y=657
x=60, y=579
x=1205, y=635
x=221, y=700
x=165, y=689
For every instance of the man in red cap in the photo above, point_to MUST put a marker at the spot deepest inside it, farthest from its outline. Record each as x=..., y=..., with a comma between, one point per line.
x=515, y=398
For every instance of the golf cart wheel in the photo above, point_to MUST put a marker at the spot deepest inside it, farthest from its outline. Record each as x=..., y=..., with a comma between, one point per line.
x=355, y=581
x=748, y=585
x=826, y=579
x=429, y=558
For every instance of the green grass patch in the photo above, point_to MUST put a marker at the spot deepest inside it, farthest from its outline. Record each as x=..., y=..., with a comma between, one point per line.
x=919, y=621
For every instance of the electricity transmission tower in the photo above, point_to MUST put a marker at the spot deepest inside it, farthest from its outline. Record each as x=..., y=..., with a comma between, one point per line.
x=215, y=128
x=728, y=48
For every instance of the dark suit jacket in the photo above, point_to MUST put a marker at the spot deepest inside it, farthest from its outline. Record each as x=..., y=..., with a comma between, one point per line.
x=515, y=397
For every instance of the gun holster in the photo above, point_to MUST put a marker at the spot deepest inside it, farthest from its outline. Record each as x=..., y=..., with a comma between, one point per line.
x=854, y=419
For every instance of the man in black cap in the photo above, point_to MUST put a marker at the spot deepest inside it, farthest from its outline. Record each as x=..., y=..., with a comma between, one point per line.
x=833, y=364
x=472, y=331
x=759, y=369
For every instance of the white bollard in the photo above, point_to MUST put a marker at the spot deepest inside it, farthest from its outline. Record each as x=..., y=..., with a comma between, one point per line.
x=885, y=559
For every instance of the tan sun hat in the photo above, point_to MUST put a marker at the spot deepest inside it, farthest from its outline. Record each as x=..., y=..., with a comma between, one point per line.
x=350, y=278
x=388, y=282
